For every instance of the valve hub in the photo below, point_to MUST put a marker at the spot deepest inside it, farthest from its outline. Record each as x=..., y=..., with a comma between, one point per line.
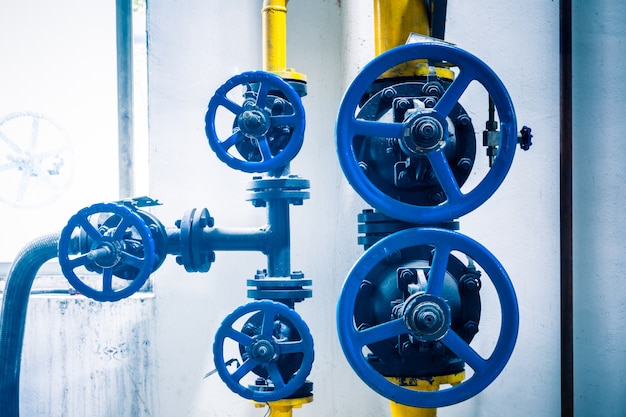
x=254, y=122
x=112, y=252
x=422, y=133
x=262, y=350
x=427, y=316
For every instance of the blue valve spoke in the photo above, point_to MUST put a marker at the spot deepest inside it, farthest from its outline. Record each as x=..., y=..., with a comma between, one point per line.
x=454, y=92
x=267, y=328
x=264, y=148
x=89, y=228
x=230, y=105
x=244, y=369
x=132, y=260
x=239, y=337
x=120, y=230
x=261, y=98
x=10, y=165
x=291, y=347
x=437, y=272
x=380, y=332
x=284, y=120
x=79, y=261
x=107, y=280
x=463, y=350
x=275, y=375
x=377, y=129
x=441, y=166
x=232, y=140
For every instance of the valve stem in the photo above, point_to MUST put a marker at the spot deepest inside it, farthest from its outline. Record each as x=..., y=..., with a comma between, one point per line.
x=99, y=253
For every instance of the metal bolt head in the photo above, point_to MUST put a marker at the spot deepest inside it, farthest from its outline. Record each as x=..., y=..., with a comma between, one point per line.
x=464, y=164
x=432, y=89
x=464, y=120
x=471, y=327
x=365, y=287
x=388, y=93
x=437, y=197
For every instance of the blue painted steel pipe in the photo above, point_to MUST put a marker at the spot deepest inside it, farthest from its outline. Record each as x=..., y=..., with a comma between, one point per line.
x=14, y=305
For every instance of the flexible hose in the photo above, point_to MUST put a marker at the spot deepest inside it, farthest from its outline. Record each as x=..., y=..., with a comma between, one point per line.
x=12, y=322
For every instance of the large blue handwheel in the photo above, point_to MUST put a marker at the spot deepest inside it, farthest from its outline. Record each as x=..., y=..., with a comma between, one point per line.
x=275, y=339
x=268, y=129
x=425, y=133
x=485, y=369
x=124, y=244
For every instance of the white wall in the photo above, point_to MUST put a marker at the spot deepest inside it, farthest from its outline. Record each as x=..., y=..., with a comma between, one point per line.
x=196, y=46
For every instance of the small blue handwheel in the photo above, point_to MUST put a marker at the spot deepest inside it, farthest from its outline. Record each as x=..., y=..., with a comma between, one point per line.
x=274, y=344
x=355, y=340
x=122, y=246
x=425, y=134
x=268, y=128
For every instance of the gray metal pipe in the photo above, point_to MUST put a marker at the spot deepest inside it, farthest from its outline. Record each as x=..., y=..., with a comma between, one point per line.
x=14, y=305
x=125, y=100
x=566, y=238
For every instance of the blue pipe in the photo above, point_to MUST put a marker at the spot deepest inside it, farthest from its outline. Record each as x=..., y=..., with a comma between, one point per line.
x=14, y=305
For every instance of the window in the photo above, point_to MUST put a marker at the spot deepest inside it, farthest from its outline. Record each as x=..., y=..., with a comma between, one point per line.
x=59, y=149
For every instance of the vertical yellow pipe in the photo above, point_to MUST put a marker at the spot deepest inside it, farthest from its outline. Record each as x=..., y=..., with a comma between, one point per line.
x=399, y=410
x=274, y=38
x=430, y=384
x=394, y=20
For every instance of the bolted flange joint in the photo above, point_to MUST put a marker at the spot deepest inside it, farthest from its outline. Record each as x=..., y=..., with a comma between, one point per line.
x=193, y=255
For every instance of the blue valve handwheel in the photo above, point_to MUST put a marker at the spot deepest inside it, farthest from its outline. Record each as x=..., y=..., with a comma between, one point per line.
x=264, y=350
x=256, y=123
x=444, y=242
x=107, y=252
x=457, y=203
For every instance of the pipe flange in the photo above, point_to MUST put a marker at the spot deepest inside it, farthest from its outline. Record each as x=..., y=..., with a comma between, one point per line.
x=290, y=189
x=288, y=290
x=193, y=256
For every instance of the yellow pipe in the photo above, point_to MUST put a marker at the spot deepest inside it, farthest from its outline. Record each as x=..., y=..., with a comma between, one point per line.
x=284, y=408
x=431, y=384
x=394, y=21
x=274, y=39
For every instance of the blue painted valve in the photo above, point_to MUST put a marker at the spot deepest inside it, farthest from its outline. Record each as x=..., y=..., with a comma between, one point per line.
x=111, y=240
x=274, y=347
x=431, y=318
x=419, y=145
x=268, y=129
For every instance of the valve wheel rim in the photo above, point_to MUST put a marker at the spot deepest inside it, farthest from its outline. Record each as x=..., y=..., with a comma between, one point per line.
x=295, y=120
x=304, y=346
x=485, y=370
x=128, y=219
x=457, y=203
